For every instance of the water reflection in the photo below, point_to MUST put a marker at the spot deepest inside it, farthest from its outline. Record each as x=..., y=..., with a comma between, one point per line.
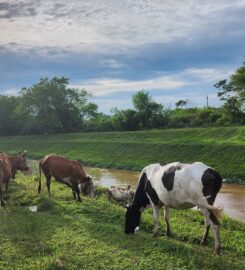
x=231, y=196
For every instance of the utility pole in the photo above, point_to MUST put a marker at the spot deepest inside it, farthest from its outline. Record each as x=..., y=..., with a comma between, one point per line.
x=207, y=101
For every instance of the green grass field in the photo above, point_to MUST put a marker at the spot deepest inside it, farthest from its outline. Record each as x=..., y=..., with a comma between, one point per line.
x=65, y=234
x=221, y=148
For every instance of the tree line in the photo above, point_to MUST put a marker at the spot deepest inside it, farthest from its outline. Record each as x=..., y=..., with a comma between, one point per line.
x=51, y=106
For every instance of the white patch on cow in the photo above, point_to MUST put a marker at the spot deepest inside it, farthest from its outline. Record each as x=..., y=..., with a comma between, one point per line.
x=80, y=188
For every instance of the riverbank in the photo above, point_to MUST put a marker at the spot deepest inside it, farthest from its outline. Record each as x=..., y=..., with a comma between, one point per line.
x=221, y=148
x=64, y=234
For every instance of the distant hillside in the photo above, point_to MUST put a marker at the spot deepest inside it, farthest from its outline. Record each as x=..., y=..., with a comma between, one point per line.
x=221, y=148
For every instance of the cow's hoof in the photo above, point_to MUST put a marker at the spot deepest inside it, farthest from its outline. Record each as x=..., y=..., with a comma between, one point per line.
x=218, y=250
x=203, y=242
x=155, y=234
x=2, y=203
x=6, y=197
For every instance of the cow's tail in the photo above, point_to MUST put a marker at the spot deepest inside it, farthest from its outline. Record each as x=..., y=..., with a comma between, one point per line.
x=216, y=210
x=39, y=179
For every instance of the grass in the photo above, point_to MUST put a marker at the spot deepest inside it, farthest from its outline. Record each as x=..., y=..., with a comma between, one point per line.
x=221, y=148
x=65, y=234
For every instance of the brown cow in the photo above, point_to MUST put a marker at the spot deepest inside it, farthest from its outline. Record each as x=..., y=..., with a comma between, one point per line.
x=8, y=167
x=68, y=172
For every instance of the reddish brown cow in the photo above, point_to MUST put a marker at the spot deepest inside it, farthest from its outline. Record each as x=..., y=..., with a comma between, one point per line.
x=68, y=172
x=8, y=167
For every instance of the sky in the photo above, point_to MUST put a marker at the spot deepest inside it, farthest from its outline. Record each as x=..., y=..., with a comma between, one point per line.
x=174, y=49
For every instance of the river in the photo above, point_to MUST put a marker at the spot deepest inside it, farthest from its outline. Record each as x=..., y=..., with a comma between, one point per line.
x=231, y=197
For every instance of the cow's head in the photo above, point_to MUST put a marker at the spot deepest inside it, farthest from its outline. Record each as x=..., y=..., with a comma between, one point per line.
x=88, y=187
x=88, y=178
x=21, y=163
x=84, y=179
x=132, y=219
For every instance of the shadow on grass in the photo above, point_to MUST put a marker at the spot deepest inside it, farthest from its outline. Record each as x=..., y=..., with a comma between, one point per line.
x=105, y=223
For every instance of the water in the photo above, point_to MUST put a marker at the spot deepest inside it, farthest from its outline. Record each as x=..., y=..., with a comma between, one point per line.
x=231, y=196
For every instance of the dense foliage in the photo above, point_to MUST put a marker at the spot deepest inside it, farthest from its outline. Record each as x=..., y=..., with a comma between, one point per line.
x=51, y=107
x=47, y=107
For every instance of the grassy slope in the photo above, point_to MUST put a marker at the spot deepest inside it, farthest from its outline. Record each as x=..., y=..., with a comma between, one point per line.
x=89, y=235
x=222, y=148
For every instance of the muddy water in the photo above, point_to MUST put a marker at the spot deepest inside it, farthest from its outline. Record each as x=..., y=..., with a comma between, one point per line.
x=231, y=196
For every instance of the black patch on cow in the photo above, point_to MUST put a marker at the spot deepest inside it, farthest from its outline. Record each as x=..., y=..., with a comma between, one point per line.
x=168, y=177
x=152, y=193
x=133, y=213
x=212, y=182
x=140, y=197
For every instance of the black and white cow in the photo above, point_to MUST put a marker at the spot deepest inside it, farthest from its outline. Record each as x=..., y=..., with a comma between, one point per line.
x=179, y=186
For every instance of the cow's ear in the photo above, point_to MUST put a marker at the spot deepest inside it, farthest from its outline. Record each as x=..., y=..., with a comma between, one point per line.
x=89, y=177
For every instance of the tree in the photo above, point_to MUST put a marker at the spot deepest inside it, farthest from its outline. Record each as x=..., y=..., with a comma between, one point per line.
x=125, y=119
x=238, y=82
x=150, y=112
x=232, y=92
x=8, y=124
x=50, y=106
x=181, y=103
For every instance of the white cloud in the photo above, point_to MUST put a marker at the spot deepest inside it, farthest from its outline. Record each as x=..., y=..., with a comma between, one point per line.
x=187, y=77
x=112, y=63
x=11, y=92
x=107, y=86
x=209, y=74
x=114, y=25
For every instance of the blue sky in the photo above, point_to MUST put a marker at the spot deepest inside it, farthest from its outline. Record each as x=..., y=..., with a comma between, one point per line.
x=113, y=48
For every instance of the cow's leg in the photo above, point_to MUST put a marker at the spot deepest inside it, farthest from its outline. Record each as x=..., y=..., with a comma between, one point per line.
x=48, y=181
x=48, y=176
x=166, y=217
x=6, y=197
x=78, y=194
x=215, y=227
x=156, y=219
x=207, y=227
x=74, y=194
x=1, y=195
x=75, y=190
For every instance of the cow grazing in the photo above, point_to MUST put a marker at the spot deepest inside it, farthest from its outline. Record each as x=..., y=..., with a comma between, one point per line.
x=178, y=186
x=68, y=172
x=8, y=167
x=120, y=194
x=88, y=188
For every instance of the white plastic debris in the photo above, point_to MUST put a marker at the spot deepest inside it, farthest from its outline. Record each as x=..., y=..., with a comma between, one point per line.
x=33, y=208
